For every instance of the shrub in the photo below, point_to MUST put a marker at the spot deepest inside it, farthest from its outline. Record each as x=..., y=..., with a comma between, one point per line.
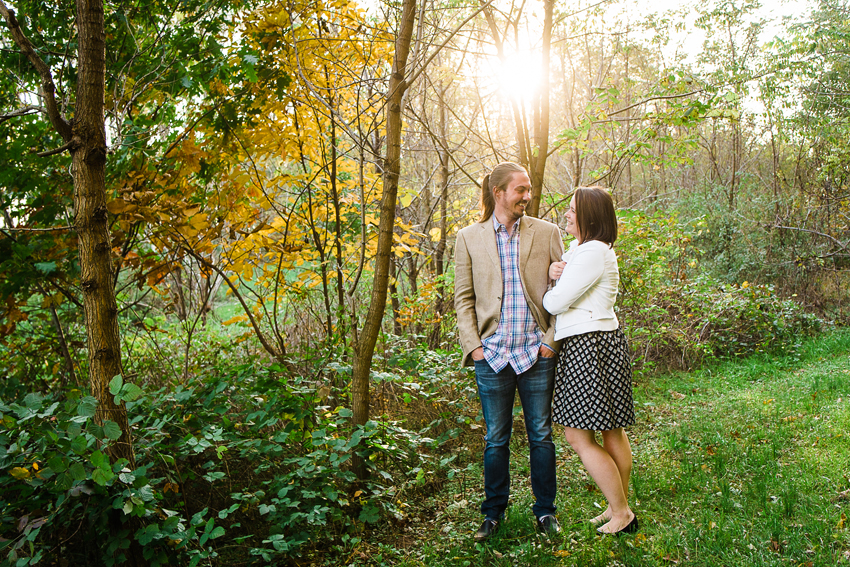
x=61, y=478
x=244, y=457
x=684, y=326
x=677, y=317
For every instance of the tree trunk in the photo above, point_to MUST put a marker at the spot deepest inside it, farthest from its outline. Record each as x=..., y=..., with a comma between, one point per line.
x=537, y=159
x=365, y=346
x=439, y=268
x=90, y=220
x=395, y=304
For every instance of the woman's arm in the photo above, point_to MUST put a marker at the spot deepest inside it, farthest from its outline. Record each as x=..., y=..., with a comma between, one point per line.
x=584, y=269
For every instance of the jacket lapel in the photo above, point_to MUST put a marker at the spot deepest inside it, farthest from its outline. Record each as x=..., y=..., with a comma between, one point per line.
x=526, y=236
x=488, y=237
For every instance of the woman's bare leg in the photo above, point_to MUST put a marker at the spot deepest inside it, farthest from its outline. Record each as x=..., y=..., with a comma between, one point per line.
x=616, y=443
x=604, y=471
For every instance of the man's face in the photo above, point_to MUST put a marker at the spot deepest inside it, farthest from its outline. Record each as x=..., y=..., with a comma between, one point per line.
x=511, y=203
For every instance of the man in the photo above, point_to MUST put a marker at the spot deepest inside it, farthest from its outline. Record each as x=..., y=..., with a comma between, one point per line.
x=501, y=274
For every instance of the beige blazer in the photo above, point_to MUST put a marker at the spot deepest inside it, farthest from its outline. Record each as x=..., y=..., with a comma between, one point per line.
x=478, y=279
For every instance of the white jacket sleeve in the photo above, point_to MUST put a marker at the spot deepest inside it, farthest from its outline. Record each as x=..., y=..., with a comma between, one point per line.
x=584, y=268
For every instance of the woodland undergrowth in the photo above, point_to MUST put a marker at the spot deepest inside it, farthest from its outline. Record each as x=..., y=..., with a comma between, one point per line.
x=241, y=460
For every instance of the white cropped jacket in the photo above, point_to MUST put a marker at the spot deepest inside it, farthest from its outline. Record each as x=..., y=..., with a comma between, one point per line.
x=583, y=299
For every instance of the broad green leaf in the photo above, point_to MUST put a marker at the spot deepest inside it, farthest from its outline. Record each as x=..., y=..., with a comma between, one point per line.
x=115, y=384
x=45, y=267
x=78, y=471
x=99, y=460
x=102, y=476
x=370, y=514
x=217, y=532
x=111, y=430
x=64, y=481
x=33, y=401
x=87, y=406
x=58, y=464
x=130, y=392
x=79, y=444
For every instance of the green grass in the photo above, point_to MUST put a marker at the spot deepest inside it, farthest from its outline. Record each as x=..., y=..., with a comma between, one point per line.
x=737, y=464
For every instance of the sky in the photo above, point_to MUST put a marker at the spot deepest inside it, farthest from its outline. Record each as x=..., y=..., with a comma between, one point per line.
x=690, y=42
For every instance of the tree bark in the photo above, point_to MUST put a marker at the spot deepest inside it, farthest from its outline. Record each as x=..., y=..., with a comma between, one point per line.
x=540, y=151
x=365, y=345
x=91, y=222
x=439, y=268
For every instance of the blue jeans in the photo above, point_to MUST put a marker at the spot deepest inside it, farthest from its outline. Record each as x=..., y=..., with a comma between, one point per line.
x=496, y=390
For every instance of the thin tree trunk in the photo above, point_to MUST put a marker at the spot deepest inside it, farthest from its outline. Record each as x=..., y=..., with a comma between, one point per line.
x=90, y=220
x=537, y=159
x=63, y=343
x=395, y=304
x=365, y=346
x=439, y=268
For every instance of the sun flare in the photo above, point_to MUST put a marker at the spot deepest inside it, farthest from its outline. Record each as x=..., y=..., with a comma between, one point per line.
x=520, y=75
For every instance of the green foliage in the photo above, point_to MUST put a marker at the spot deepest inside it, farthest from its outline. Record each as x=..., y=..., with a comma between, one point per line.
x=246, y=456
x=677, y=319
x=61, y=475
x=685, y=326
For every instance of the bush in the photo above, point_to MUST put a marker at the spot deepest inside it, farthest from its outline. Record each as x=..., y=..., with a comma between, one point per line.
x=677, y=317
x=60, y=478
x=244, y=458
x=684, y=326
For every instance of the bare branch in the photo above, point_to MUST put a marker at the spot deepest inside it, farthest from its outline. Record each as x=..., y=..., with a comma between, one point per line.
x=25, y=229
x=24, y=111
x=454, y=32
x=68, y=146
x=652, y=98
x=47, y=88
x=840, y=244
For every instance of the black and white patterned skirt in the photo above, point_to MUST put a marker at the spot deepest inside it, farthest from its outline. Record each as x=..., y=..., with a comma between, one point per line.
x=593, y=382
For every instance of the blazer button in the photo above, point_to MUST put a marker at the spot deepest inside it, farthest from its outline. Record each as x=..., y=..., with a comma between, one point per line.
x=499, y=298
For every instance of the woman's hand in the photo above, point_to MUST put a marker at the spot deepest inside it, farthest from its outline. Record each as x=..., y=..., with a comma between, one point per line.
x=556, y=269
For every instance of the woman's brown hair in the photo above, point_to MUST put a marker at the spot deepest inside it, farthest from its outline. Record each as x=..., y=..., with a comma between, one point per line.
x=496, y=179
x=595, y=215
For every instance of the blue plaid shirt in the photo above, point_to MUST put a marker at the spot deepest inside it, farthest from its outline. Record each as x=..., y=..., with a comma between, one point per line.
x=517, y=338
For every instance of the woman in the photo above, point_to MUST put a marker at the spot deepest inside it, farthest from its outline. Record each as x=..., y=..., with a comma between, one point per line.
x=593, y=379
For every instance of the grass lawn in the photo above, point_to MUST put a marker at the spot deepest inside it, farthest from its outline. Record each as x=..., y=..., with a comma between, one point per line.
x=744, y=463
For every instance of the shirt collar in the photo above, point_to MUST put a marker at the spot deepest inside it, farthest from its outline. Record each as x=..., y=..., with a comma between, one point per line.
x=497, y=224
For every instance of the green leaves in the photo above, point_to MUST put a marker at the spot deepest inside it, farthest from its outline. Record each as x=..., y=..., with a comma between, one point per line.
x=87, y=407
x=45, y=268
x=370, y=514
x=111, y=430
x=103, y=471
x=123, y=392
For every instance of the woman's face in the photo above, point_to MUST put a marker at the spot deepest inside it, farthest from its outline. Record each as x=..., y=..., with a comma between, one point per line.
x=572, y=225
